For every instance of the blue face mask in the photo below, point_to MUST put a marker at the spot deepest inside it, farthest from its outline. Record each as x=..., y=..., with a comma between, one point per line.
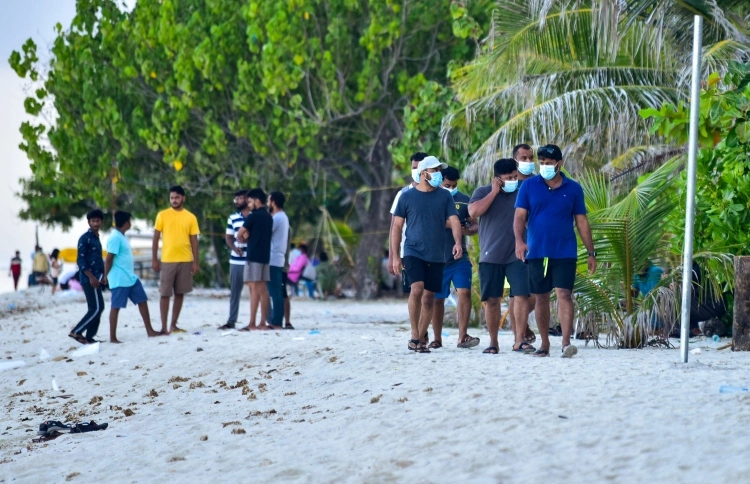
x=510, y=186
x=526, y=167
x=436, y=179
x=452, y=190
x=415, y=175
x=547, y=171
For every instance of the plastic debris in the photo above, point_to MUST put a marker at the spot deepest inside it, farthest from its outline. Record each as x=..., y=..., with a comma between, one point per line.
x=43, y=355
x=9, y=365
x=87, y=350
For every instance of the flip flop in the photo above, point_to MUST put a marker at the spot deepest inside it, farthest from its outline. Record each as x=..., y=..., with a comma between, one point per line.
x=491, y=350
x=245, y=329
x=422, y=349
x=524, y=348
x=178, y=330
x=540, y=353
x=468, y=342
x=80, y=338
x=413, y=344
x=435, y=345
x=569, y=351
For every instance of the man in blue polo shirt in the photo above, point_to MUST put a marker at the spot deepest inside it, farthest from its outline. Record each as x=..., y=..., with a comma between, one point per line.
x=551, y=204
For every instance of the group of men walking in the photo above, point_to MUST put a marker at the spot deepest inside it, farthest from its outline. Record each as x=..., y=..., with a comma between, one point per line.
x=259, y=242
x=526, y=235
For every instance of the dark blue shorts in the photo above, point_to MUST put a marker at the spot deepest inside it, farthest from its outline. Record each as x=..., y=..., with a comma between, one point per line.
x=492, y=279
x=135, y=293
x=459, y=273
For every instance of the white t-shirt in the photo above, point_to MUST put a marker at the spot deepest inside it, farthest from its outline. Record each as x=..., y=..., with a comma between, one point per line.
x=393, y=209
x=279, y=239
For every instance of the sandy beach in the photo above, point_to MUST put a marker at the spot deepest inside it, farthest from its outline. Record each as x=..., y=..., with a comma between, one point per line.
x=349, y=403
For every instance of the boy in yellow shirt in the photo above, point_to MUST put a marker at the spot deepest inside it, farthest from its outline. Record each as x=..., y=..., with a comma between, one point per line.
x=179, y=255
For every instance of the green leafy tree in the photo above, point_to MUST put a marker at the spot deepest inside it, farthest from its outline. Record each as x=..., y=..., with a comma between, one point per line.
x=216, y=94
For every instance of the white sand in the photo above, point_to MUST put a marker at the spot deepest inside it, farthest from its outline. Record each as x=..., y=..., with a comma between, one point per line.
x=352, y=404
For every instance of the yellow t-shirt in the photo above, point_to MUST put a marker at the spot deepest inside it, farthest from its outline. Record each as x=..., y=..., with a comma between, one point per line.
x=176, y=227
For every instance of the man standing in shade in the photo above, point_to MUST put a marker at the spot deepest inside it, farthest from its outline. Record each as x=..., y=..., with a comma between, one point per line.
x=279, y=244
x=91, y=268
x=179, y=256
x=256, y=232
x=237, y=257
x=425, y=210
x=494, y=204
x=456, y=271
x=119, y=272
x=551, y=204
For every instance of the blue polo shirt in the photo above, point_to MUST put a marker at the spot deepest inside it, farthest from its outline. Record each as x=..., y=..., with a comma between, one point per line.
x=551, y=217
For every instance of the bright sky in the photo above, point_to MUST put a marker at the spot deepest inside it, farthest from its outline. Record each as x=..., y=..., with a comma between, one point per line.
x=19, y=20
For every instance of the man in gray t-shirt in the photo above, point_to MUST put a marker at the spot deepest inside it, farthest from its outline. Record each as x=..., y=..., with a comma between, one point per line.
x=425, y=210
x=495, y=206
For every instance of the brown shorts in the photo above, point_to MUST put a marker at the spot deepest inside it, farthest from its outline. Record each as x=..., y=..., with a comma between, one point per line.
x=257, y=272
x=175, y=277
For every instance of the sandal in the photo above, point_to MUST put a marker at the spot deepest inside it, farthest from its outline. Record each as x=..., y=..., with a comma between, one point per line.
x=569, y=351
x=491, y=350
x=227, y=326
x=413, y=344
x=79, y=337
x=540, y=353
x=530, y=339
x=422, y=349
x=435, y=345
x=245, y=329
x=468, y=341
x=524, y=348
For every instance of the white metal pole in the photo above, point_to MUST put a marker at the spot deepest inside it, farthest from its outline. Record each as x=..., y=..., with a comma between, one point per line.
x=687, y=263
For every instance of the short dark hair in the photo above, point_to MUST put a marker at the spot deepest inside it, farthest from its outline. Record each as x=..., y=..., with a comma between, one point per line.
x=278, y=198
x=121, y=218
x=323, y=257
x=550, y=152
x=96, y=213
x=418, y=156
x=521, y=146
x=450, y=173
x=257, y=194
x=177, y=189
x=240, y=193
x=505, y=166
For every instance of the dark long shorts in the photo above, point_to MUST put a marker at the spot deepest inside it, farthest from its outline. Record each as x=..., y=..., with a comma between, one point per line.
x=559, y=273
x=492, y=279
x=431, y=273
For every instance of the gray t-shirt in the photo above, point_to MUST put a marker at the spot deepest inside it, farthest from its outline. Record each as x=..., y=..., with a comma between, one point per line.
x=279, y=239
x=461, y=201
x=497, y=243
x=425, y=214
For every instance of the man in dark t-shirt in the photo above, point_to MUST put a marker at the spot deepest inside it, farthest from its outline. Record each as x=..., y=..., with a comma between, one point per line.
x=456, y=271
x=425, y=210
x=494, y=204
x=256, y=232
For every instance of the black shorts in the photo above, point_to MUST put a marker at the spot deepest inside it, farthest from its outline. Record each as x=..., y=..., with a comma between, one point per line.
x=492, y=279
x=284, y=284
x=405, y=284
x=560, y=274
x=431, y=273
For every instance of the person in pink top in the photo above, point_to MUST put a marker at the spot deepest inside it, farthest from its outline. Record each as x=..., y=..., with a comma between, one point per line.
x=297, y=268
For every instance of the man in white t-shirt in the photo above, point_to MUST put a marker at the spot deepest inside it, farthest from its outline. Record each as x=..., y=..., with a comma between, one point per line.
x=415, y=159
x=279, y=243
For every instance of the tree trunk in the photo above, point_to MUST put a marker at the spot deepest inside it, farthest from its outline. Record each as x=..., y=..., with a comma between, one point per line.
x=741, y=324
x=376, y=224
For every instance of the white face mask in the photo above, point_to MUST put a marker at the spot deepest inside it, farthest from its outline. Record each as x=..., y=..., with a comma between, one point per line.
x=547, y=171
x=415, y=175
x=510, y=186
x=526, y=167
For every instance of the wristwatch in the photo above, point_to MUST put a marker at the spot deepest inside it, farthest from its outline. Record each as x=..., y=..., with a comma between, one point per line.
x=592, y=254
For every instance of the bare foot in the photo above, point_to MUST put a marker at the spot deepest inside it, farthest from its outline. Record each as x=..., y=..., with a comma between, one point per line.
x=152, y=334
x=112, y=340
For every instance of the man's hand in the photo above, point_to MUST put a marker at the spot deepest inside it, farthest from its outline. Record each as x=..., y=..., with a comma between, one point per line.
x=156, y=265
x=592, y=264
x=521, y=249
x=457, y=251
x=394, y=266
x=243, y=234
x=237, y=250
x=196, y=267
x=105, y=281
x=497, y=185
x=94, y=282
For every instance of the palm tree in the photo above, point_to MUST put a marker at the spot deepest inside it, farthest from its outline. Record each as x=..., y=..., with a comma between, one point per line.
x=631, y=234
x=578, y=72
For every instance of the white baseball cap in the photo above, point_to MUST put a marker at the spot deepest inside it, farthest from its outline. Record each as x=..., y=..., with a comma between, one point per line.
x=431, y=162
